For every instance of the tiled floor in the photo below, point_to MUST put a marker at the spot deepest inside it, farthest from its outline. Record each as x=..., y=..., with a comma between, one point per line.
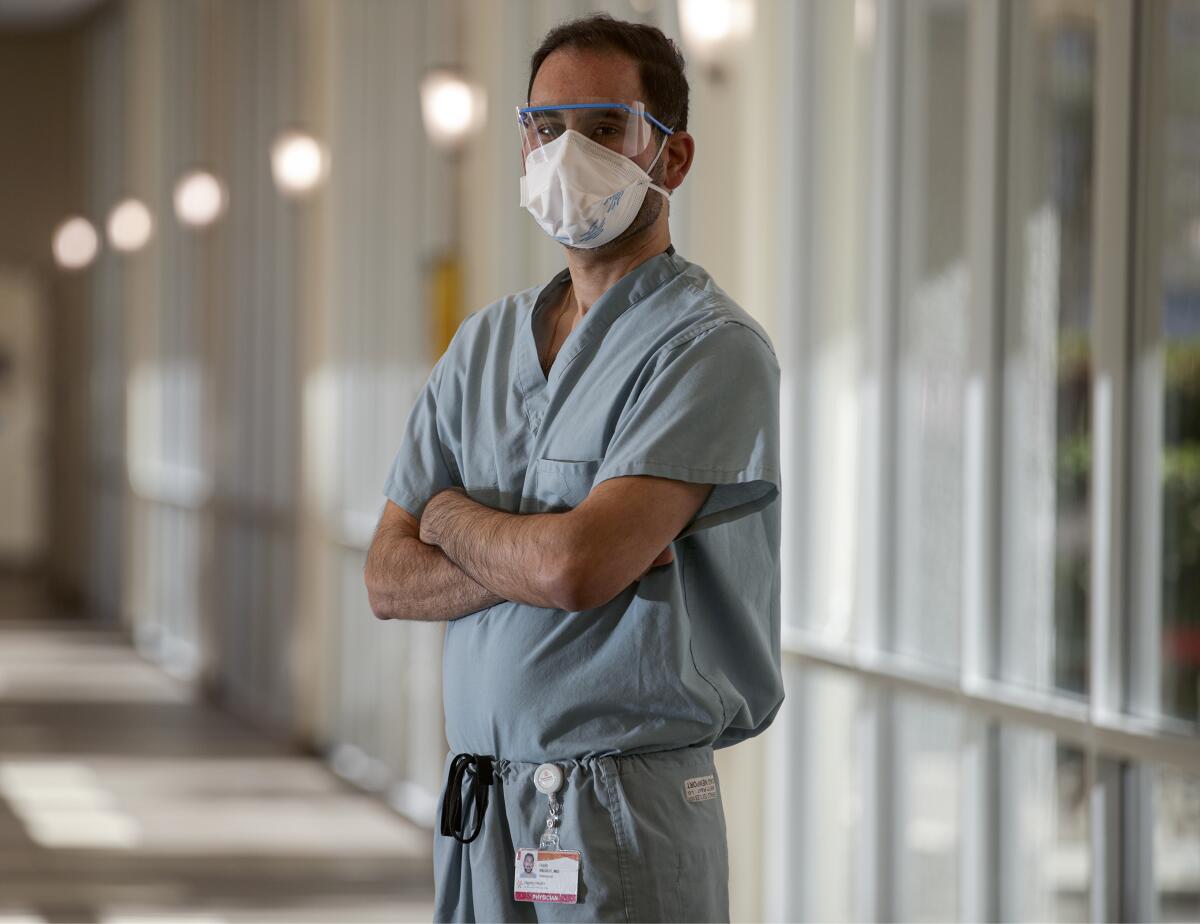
x=121, y=800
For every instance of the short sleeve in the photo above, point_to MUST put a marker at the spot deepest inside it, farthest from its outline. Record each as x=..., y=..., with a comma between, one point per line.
x=709, y=414
x=423, y=465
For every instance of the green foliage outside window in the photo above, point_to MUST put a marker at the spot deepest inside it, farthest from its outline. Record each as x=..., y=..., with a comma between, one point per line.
x=1180, y=522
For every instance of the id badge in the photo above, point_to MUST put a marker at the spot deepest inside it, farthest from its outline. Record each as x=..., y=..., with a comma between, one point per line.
x=546, y=876
x=547, y=873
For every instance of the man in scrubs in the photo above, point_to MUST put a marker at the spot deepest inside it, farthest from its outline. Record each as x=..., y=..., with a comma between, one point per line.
x=587, y=493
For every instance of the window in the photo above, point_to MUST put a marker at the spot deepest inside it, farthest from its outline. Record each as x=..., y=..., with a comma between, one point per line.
x=1047, y=319
x=993, y=681
x=928, y=793
x=1045, y=868
x=835, y=713
x=934, y=333
x=1175, y=851
x=1168, y=351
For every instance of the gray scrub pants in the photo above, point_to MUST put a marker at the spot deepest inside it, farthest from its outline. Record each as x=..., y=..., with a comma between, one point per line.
x=648, y=852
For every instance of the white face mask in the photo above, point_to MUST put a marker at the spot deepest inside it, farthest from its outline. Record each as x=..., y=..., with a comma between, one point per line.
x=581, y=193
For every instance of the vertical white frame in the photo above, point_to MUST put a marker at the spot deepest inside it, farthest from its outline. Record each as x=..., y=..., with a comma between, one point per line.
x=1111, y=284
x=1138, y=893
x=1144, y=691
x=1111, y=279
x=795, y=88
x=986, y=246
x=877, y=406
x=987, y=170
x=884, y=800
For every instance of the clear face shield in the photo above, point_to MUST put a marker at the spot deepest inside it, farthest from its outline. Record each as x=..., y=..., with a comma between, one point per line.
x=622, y=126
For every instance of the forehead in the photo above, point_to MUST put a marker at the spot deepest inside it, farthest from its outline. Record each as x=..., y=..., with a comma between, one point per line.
x=570, y=73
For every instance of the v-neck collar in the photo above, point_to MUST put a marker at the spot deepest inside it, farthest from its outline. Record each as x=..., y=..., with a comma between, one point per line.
x=626, y=292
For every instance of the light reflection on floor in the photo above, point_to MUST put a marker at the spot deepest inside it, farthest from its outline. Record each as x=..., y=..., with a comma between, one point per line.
x=122, y=801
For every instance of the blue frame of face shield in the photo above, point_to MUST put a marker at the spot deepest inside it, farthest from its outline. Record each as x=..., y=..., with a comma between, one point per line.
x=649, y=118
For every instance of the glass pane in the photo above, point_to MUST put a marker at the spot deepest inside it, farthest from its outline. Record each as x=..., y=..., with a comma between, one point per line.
x=826, y=830
x=1047, y=375
x=1044, y=823
x=1178, y=185
x=1177, y=845
x=927, y=794
x=825, y=588
x=933, y=328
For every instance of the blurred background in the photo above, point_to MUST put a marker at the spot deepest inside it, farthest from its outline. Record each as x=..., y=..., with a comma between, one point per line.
x=236, y=234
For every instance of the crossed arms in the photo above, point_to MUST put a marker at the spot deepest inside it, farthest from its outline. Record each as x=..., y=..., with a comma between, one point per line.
x=463, y=556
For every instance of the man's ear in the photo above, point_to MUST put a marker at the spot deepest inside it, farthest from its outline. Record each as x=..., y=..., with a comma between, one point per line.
x=681, y=148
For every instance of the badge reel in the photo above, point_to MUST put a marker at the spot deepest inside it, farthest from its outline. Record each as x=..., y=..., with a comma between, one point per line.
x=548, y=874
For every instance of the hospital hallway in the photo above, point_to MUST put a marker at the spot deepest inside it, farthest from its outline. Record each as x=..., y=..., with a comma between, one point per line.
x=265, y=267
x=123, y=798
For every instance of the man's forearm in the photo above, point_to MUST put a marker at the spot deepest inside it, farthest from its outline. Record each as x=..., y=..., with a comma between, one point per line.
x=409, y=579
x=518, y=556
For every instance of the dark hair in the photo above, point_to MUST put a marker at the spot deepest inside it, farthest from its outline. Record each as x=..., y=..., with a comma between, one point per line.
x=660, y=63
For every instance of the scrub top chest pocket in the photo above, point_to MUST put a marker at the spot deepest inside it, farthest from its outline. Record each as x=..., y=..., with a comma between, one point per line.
x=563, y=484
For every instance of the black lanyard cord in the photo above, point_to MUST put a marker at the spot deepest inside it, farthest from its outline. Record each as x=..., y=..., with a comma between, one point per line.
x=479, y=766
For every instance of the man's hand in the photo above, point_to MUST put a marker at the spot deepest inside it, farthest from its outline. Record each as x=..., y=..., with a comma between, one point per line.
x=430, y=516
x=409, y=579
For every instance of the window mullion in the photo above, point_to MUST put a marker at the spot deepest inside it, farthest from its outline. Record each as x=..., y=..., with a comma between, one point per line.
x=1139, y=898
x=1110, y=389
x=875, y=609
x=875, y=598
x=1144, y=670
x=1110, y=348
x=1105, y=833
x=986, y=161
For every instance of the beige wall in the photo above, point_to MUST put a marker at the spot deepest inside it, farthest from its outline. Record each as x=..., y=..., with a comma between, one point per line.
x=41, y=181
x=23, y=419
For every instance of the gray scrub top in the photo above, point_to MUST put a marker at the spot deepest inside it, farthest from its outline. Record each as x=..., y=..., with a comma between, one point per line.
x=665, y=375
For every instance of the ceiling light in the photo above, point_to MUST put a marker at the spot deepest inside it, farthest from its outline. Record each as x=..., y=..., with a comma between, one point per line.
x=451, y=107
x=130, y=225
x=199, y=198
x=710, y=25
x=298, y=163
x=75, y=243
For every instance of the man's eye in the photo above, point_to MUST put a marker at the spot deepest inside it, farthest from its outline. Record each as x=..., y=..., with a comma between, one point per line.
x=605, y=131
x=549, y=131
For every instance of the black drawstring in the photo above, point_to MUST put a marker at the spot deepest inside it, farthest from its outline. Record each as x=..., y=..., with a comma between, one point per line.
x=453, y=822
